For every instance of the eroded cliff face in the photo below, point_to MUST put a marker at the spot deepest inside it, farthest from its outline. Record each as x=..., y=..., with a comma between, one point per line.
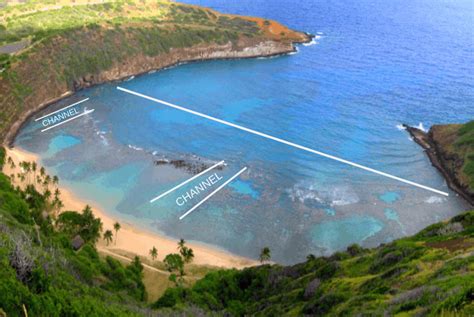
x=45, y=76
x=139, y=64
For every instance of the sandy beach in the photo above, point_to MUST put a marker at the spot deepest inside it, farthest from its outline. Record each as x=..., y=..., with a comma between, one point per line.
x=130, y=238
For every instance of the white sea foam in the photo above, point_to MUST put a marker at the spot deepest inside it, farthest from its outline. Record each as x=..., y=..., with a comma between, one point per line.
x=421, y=127
x=401, y=127
x=101, y=134
x=333, y=196
x=295, y=52
x=435, y=200
x=104, y=139
x=136, y=148
x=130, y=78
x=341, y=196
x=313, y=41
x=302, y=194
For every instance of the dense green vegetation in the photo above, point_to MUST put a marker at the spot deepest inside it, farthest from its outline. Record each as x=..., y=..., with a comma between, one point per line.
x=41, y=273
x=37, y=23
x=431, y=273
x=49, y=264
x=465, y=145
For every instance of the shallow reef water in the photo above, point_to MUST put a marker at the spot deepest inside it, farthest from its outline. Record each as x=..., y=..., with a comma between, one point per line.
x=374, y=66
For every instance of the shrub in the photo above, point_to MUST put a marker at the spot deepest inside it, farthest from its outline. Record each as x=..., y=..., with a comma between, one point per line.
x=170, y=298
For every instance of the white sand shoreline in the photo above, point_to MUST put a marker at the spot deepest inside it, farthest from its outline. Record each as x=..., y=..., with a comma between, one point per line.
x=131, y=238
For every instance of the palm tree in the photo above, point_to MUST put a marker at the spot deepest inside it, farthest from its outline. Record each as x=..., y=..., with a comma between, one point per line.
x=116, y=228
x=47, y=194
x=108, y=236
x=153, y=253
x=57, y=193
x=188, y=255
x=55, y=180
x=265, y=255
x=27, y=168
x=181, y=244
x=47, y=181
x=34, y=166
x=10, y=161
x=42, y=171
x=22, y=173
x=59, y=205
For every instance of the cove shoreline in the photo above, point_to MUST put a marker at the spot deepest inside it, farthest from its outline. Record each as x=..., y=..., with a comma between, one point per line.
x=281, y=49
x=131, y=238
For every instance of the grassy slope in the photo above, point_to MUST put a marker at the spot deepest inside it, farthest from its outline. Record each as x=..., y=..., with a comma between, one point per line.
x=40, y=272
x=70, y=42
x=431, y=273
x=456, y=141
x=157, y=281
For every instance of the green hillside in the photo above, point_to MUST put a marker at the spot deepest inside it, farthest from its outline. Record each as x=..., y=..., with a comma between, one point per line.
x=455, y=147
x=51, y=48
x=429, y=274
x=464, y=146
x=41, y=274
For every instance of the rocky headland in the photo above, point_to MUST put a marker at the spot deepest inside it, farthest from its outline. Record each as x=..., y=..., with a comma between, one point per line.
x=451, y=152
x=113, y=47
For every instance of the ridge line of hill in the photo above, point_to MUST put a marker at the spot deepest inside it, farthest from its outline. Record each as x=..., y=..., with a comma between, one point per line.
x=126, y=39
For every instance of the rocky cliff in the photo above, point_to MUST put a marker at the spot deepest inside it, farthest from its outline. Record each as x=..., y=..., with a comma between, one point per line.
x=450, y=154
x=91, y=54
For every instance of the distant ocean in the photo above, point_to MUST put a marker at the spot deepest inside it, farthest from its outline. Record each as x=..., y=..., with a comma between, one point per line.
x=373, y=66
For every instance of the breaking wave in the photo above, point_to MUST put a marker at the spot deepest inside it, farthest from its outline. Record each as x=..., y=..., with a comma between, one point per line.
x=435, y=200
x=421, y=127
x=313, y=41
x=401, y=127
x=331, y=196
x=136, y=148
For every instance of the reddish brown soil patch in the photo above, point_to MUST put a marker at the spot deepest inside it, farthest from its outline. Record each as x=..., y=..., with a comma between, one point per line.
x=452, y=245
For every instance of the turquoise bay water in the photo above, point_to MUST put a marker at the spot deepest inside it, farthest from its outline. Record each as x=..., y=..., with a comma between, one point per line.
x=59, y=143
x=375, y=65
x=389, y=197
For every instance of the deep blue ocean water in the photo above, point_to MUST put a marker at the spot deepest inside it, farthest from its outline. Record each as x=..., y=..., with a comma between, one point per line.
x=375, y=65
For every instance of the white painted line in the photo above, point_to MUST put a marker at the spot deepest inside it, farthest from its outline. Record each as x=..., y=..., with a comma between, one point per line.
x=186, y=181
x=301, y=147
x=74, y=104
x=70, y=119
x=212, y=194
